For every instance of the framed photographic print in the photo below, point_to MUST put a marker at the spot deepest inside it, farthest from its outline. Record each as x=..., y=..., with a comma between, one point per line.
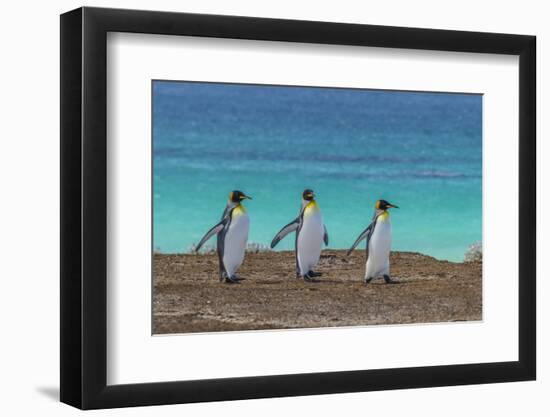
x=258, y=207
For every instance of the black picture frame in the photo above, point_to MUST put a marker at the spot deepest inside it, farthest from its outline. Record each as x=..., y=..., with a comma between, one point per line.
x=84, y=207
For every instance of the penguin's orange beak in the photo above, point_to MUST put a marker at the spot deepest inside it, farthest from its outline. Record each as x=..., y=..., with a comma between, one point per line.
x=392, y=206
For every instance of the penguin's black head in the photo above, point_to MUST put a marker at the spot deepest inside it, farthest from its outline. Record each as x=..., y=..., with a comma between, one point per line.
x=384, y=205
x=308, y=195
x=238, y=196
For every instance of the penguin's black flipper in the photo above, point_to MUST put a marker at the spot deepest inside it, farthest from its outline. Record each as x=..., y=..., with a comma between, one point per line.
x=325, y=235
x=214, y=231
x=365, y=234
x=289, y=228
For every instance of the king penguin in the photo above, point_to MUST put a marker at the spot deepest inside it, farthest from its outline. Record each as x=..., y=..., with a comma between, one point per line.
x=232, y=234
x=310, y=234
x=378, y=235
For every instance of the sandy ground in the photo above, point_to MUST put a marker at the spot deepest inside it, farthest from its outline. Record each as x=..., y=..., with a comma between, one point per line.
x=188, y=296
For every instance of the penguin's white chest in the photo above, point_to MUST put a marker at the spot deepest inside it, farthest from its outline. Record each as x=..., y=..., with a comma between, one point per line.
x=310, y=239
x=235, y=242
x=378, y=262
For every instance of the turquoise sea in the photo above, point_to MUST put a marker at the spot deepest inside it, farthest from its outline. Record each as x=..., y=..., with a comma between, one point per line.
x=420, y=151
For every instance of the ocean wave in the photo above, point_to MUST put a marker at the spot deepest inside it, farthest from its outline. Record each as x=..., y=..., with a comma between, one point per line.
x=266, y=156
x=439, y=174
x=399, y=175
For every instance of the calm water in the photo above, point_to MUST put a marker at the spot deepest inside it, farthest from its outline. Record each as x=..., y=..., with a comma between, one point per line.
x=420, y=151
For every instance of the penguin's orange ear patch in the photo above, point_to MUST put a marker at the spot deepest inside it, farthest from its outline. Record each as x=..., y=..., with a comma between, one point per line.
x=378, y=205
x=231, y=196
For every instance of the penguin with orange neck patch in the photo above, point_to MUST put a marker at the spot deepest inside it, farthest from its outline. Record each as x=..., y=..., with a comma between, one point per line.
x=310, y=235
x=378, y=236
x=232, y=236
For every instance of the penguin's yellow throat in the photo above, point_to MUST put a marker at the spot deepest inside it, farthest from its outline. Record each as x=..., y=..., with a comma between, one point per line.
x=238, y=210
x=311, y=207
x=384, y=216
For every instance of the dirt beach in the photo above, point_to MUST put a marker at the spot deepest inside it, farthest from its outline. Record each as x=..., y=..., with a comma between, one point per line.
x=189, y=298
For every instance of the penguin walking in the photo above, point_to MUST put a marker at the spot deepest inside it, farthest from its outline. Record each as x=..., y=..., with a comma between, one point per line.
x=378, y=236
x=232, y=236
x=310, y=234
